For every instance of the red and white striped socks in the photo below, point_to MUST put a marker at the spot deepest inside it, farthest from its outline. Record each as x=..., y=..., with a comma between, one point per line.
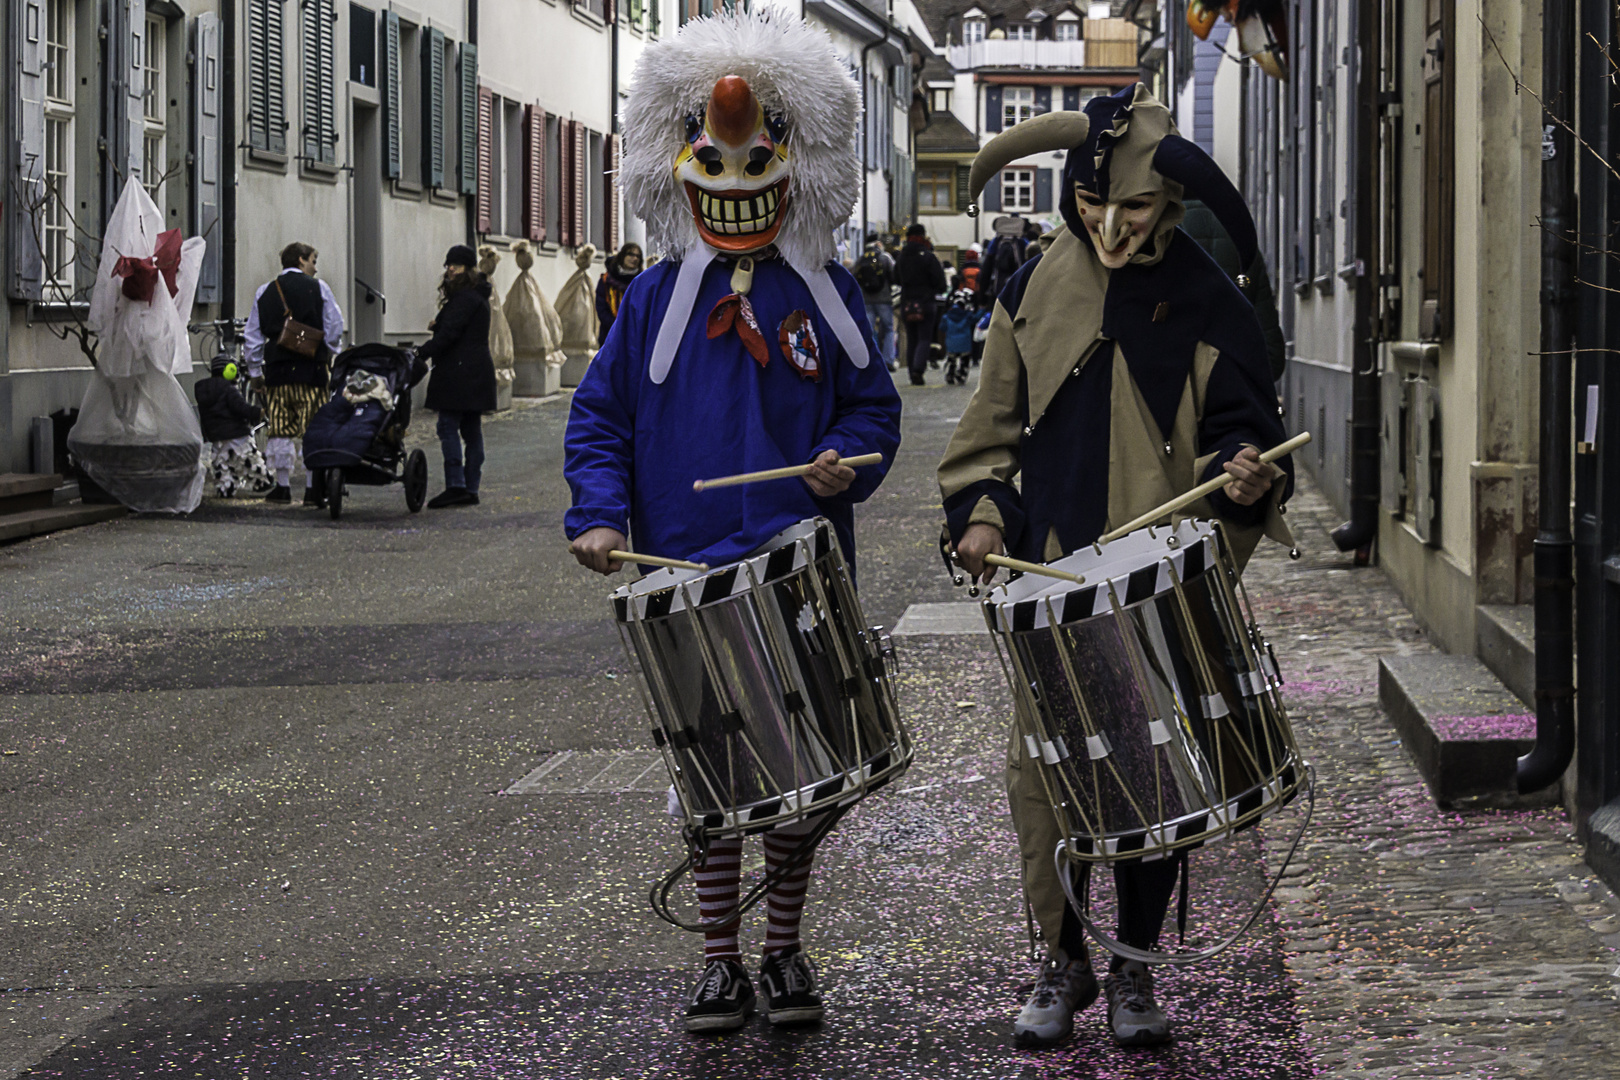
x=717, y=879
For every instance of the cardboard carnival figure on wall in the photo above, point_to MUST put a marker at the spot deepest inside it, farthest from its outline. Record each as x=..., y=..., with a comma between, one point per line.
x=744, y=349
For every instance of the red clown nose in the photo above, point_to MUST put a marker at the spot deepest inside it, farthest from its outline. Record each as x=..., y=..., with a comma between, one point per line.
x=733, y=110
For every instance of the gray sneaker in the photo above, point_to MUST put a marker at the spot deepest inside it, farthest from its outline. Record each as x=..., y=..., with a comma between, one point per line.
x=1065, y=986
x=1133, y=1016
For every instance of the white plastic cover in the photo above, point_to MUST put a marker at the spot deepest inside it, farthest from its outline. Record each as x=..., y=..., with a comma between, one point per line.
x=137, y=436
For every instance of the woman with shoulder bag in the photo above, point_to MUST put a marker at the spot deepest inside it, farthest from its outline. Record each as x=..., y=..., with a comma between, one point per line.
x=921, y=279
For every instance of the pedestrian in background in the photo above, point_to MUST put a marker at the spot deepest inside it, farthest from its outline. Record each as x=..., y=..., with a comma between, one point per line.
x=1204, y=227
x=462, y=387
x=294, y=384
x=620, y=270
x=235, y=462
x=921, y=279
x=874, y=273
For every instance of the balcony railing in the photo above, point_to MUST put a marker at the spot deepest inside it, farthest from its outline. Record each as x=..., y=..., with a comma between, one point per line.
x=1020, y=54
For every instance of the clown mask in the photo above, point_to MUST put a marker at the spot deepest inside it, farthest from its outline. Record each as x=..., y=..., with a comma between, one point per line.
x=735, y=169
x=1119, y=227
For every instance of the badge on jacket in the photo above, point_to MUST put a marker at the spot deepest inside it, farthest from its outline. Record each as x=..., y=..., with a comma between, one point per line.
x=798, y=338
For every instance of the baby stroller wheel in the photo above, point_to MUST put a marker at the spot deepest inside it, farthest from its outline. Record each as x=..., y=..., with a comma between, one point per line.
x=416, y=481
x=334, y=492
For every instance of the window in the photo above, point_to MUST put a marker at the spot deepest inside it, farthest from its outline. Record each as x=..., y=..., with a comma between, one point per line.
x=972, y=31
x=1018, y=190
x=655, y=18
x=154, y=102
x=1017, y=105
x=633, y=12
x=410, y=101
x=510, y=159
x=941, y=100
x=1067, y=30
x=267, y=106
x=1439, y=220
x=936, y=190
x=1020, y=31
x=59, y=87
x=555, y=145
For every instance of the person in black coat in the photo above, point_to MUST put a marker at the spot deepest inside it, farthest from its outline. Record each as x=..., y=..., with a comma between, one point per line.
x=921, y=279
x=462, y=387
x=622, y=268
x=235, y=461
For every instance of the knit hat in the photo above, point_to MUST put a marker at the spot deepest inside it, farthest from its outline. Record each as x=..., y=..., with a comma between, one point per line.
x=461, y=255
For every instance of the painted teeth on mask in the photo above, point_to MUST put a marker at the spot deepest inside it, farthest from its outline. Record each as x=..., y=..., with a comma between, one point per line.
x=735, y=217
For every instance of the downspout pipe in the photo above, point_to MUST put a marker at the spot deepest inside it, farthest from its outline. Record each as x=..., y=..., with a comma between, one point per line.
x=1365, y=401
x=230, y=154
x=1555, y=546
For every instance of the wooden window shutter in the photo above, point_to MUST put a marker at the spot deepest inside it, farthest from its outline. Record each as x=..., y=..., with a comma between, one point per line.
x=433, y=108
x=468, y=159
x=963, y=196
x=486, y=159
x=275, y=78
x=205, y=152
x=1439, y=211
x=393, y=99
x=566, y=193
x=319, y=128
x=534, y=174
x=578, y=145
x=610, y=185
x=25, y=270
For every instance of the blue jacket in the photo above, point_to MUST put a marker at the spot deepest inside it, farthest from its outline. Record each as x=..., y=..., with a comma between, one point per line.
x=958, y=326
x=633, y=447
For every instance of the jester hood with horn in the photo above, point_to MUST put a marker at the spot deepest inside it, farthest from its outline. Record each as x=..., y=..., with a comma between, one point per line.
x=746, y=347
x=1122, y=365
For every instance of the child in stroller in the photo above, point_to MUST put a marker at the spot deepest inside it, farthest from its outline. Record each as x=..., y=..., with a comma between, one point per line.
x=358, y=437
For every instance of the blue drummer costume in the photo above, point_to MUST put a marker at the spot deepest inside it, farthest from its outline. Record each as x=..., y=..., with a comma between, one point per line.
x=747, y=349
x=1105, y=391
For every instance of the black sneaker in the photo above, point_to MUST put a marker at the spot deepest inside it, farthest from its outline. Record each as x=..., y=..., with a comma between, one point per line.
x=454, y=496
x=1133, y=1016
x=723, y=1001
x=472, y=498
x=281, y=493
x=789, y=982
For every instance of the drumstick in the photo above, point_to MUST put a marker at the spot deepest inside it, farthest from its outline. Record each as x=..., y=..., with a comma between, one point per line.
x=778, y=474
x=656, y=560
x=1207, y=487
x=1034, y=568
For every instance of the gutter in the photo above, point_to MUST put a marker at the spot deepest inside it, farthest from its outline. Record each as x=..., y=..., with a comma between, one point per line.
x=866, y=165
x=1365, y=399
x=1555, y=546
x=229, y=154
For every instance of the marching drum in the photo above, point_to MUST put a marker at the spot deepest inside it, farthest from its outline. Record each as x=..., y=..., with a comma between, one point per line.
x=769, y=698
x=1150, y=702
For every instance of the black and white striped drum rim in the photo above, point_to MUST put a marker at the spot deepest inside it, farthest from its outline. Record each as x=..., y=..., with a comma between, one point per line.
x=661, y=593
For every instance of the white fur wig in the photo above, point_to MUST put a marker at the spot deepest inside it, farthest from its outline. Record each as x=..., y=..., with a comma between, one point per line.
x=793, y=70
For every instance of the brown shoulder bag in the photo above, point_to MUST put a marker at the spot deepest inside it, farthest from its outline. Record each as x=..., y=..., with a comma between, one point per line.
x=296, y=337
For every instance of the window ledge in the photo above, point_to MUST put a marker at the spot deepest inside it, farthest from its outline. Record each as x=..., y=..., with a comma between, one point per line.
x=56, y=311
x=1324, y=283
x=445, y=196
x=320, y=173
x=265, y=160
x=589, y=18
x=406, y=189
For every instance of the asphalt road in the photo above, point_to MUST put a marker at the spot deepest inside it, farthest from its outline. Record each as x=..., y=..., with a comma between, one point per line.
x=251, y=821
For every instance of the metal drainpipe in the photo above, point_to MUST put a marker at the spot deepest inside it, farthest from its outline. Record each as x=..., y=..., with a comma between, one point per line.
x=1555, y=547
x=1365, y=403
x=229, y=153
x=472, y=201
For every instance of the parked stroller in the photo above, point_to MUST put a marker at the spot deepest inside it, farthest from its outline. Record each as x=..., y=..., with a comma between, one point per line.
x=358, y=437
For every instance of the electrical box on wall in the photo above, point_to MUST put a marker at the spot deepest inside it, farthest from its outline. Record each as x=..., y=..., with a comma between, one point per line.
x=1392, y=486
x=1423, y=412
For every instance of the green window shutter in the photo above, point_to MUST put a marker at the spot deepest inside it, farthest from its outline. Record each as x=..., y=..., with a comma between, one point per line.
x=963, y=172
x=275, y=77
x=266, y=120
x=319, y=135
x=468, y=128
x=433, y=108
x=392, y=98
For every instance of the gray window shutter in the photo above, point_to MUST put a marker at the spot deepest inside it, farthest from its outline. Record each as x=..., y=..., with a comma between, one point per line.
x=1043, y=100
x=132, y=111
x=468, y=128
x=205, y=152
x=26, y=54
x=392, y=92
x=1071, y=98
x=1043, y=191
x=267, y=113
x=433, y=108
x=963, y=196
x=992, y=108
x=319, y=142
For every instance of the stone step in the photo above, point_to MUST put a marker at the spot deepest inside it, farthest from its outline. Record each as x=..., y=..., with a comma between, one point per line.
x=1505, y=639
x=26, y=523
x=27, y=491
x=1464, y=729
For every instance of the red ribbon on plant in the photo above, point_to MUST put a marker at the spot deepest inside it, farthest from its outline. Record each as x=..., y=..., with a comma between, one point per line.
x=141, y=275
x=734, y=312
